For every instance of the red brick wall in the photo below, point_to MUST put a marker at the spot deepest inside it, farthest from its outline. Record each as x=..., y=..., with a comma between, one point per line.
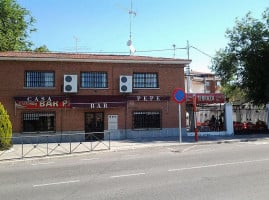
x=170, y=77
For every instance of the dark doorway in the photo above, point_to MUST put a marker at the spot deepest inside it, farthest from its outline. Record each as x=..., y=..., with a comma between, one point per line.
x=94, y=126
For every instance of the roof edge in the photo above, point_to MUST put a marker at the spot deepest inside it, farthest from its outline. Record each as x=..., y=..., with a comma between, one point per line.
x=184, y=62
x=80, y=57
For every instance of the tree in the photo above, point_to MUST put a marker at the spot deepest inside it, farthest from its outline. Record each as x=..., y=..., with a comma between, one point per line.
x=5, y=129
x=16, y=24
x=244, y=63
x=43, y=48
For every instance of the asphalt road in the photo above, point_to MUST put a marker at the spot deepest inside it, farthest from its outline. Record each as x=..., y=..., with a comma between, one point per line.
x=213, y=171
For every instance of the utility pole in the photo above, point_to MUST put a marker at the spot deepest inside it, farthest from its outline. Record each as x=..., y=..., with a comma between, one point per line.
x=188, y=68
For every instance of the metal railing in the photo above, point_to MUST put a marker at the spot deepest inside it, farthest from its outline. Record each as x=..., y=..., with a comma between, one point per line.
x=55, y=145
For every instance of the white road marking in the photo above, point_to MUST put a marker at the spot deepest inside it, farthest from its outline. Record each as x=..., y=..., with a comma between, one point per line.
x=259, y=143
x=171, y=149
x=56, y=183
x=132, y=155
x=47, y=163
x=218, y=165
x=189, y=148
x=182, y=151
x=127, y=175
x=89, y=159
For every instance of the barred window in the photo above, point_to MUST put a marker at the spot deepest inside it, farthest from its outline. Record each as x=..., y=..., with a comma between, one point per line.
x=93, y=80
x=38, y=121
x=145, y=80
x=39, y=79
x=146, y=120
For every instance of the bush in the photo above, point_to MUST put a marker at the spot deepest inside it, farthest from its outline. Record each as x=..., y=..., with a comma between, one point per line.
x=5, y=129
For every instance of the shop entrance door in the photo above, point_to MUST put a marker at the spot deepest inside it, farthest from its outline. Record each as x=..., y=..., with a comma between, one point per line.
x=94, y=125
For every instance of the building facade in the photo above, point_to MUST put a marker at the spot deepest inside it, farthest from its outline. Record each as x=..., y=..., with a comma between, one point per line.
x=245, y=117
x=130, y=96
x=210, y=118
x=201, y=82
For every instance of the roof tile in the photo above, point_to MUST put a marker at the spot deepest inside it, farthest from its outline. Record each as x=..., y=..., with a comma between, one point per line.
x=79, y=56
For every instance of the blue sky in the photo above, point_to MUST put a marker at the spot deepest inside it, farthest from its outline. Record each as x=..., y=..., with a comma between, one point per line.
x=104, y=25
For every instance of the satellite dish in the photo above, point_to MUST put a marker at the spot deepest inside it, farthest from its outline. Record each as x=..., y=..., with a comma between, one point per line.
x=129, y=43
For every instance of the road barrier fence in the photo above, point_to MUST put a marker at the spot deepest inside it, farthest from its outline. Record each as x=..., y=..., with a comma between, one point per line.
x=55, y=145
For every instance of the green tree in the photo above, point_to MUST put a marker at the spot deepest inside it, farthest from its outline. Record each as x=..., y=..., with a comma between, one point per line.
x=5, y=129
x=42, y=48
x=16, y=24
x=244, y=63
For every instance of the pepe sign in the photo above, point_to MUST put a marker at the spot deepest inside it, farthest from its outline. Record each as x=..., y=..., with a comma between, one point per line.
x=34, y=102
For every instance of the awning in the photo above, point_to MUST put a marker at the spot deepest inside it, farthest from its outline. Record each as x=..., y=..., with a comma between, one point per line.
x=97, y=101
x=206, y=98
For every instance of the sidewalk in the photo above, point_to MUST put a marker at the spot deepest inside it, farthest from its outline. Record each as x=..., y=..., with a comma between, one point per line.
x=25, y=151
x=186, y=140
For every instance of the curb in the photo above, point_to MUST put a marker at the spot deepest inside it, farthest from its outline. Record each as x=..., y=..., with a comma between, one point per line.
x=133, y=145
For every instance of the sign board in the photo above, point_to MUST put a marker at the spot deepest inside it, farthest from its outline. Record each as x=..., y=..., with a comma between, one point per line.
x=179, y=95
x=40, y=102
x=205, y=98
x=97, y=101
x=112, y=122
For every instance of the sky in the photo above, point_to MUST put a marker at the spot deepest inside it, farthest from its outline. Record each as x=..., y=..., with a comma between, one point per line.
x=157, y=26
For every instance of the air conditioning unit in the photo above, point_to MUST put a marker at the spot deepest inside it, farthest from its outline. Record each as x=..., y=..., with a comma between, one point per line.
x=126, y=84
x=70, y=83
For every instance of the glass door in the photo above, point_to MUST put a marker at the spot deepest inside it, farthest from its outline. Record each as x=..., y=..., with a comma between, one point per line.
x=94, y=125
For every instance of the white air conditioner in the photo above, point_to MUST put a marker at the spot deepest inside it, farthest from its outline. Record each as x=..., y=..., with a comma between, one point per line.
x=70, y=83
x=126, y=84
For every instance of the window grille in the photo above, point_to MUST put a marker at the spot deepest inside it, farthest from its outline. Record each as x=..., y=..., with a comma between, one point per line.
x=146, y=120
x=39, y=79
x=94, y=80
x=38, y=121
x=145, y=80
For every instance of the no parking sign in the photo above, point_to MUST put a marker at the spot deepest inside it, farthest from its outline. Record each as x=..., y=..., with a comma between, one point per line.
x=179, y=97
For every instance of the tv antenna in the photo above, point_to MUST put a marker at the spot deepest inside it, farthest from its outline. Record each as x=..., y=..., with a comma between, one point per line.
x=76, y=42
x=132, y=14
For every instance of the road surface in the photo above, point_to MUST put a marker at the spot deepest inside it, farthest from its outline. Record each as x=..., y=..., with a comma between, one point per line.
x=213, y=171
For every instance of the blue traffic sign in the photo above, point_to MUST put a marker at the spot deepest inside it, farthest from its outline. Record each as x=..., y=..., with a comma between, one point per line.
x=179, y=95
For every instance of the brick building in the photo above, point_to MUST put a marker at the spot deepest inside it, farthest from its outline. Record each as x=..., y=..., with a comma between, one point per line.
x=68, y=93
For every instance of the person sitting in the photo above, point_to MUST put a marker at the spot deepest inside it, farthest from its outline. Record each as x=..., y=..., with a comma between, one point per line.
x=213, y=123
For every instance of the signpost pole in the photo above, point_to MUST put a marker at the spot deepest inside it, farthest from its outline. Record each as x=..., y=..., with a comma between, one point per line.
x=179, y=123
x=179, y=97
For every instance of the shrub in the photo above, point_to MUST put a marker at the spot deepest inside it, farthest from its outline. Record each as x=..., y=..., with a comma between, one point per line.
x=5, y=129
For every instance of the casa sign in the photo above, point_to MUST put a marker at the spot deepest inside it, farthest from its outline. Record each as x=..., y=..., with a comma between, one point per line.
x=35, y=102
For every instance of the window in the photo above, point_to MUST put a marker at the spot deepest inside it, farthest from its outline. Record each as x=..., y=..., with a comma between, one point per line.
x=38, y=121
x=218, y=84
x=93, y=80
x=39, y=79
x=145, y=80
x=146, y=120
x=207, y=83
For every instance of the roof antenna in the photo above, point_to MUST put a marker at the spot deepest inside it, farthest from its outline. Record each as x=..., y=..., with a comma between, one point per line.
x=76, y=42
x=174, y=47
x=132, y=14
